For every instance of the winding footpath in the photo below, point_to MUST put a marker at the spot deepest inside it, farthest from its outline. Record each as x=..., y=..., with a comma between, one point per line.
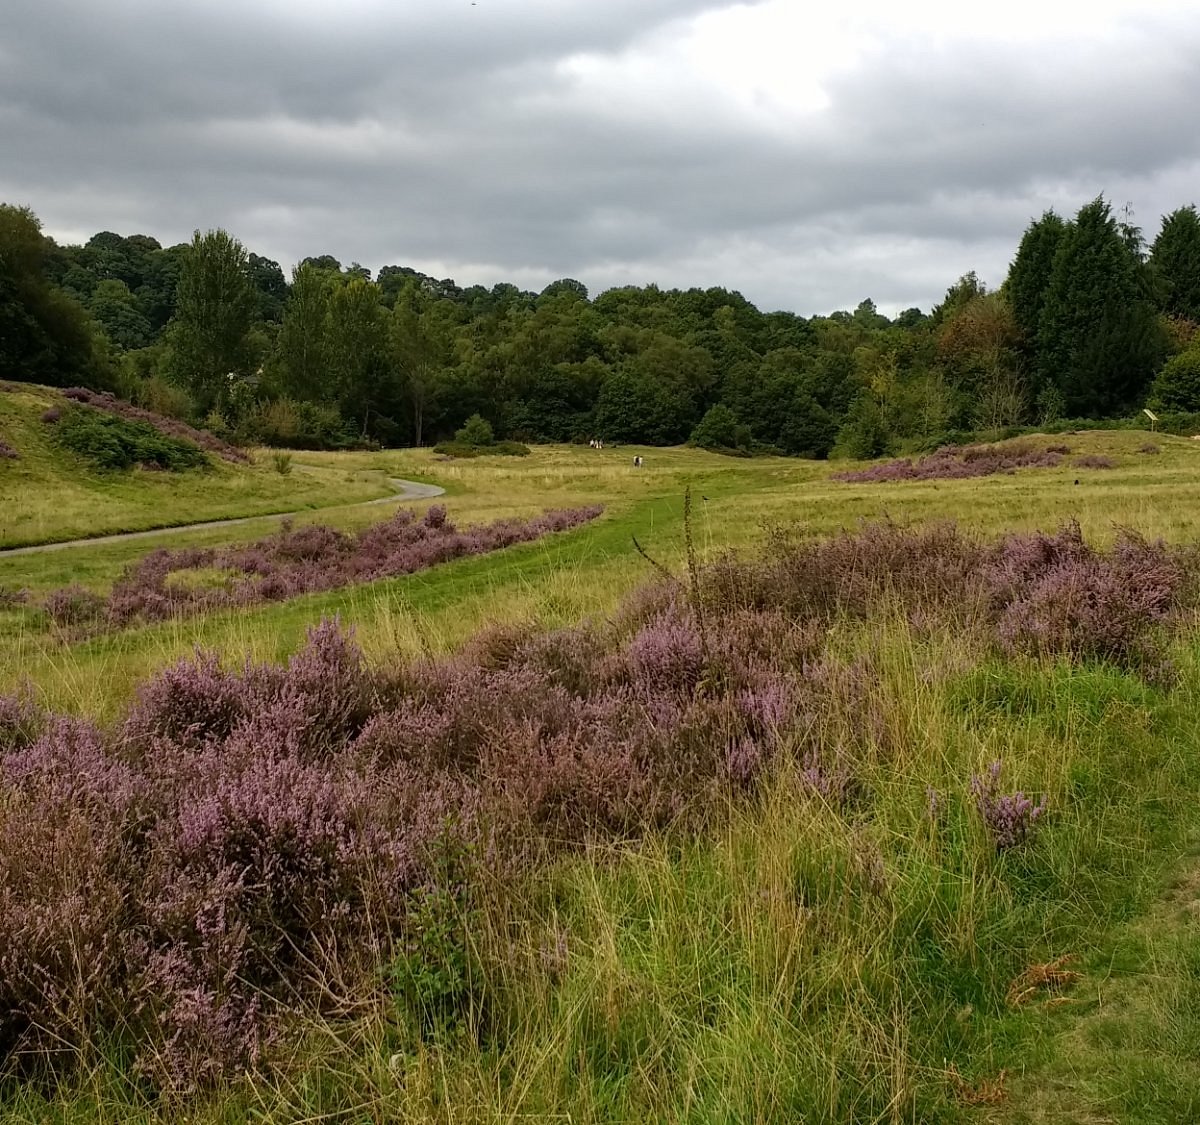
x=405, y=490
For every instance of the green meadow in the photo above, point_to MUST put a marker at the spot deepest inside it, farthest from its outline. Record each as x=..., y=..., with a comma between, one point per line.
x=783, y=961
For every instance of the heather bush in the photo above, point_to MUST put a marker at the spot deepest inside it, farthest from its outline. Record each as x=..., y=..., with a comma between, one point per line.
x=855, y=573
x=73, y=606
x=11, y=598
x=166, y=427
x=1055, y=594
x=20, y=722
x=1037, y=594
x=1094, y=461
x=115, y=442
x=7, y=452
x=68, y=865
x=1009, y=818
x=292, y=562
x=960, y=463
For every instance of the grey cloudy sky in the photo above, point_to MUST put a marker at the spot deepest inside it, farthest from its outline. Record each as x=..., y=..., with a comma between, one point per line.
x=809, y=158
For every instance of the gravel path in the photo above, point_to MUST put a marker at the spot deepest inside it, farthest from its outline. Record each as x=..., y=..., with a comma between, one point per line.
x=405, y=490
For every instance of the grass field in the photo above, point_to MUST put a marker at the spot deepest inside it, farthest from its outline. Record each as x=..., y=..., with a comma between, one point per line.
x=581, y=574
x=786, y=959
x=48, y=495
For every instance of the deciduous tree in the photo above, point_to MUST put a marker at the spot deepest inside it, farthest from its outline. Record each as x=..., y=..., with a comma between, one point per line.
x=214, y=310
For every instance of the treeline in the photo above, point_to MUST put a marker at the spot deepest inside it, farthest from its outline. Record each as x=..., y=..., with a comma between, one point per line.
x=1091, y=322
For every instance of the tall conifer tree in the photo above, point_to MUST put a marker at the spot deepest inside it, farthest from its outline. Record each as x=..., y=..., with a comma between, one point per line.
x=1175, y=262
x=1098, y=340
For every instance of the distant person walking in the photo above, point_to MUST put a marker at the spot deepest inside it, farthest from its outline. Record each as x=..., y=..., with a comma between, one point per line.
x=637, y=461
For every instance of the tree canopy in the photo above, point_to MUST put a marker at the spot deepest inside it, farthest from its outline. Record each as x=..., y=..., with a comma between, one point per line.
x=1083, y=322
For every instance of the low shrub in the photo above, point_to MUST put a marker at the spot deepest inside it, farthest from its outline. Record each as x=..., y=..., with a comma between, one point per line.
x=73, y=606
x=167, y=427
x=959, y=463
x=113, y=442
x=1094, y=461
x=1009, y=818
x=296, y=425
x=7, y=452
x=297, y=561
x=496, y=449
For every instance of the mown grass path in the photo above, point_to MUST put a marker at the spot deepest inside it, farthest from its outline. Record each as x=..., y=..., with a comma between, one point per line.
x=405, y=490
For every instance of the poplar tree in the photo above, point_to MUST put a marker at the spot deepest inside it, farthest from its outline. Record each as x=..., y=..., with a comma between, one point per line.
x=215, y=307
x=303, y=337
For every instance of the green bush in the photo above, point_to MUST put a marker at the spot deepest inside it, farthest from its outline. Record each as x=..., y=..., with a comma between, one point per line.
x=864, y=433
x=717, y=430
x=476, y=431
x=156, y=394
x=111, y=442
x=295, y=425
x=1176, y=387
x=500, y=448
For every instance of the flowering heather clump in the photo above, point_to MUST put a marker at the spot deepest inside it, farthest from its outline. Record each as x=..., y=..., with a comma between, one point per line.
x=1010, y=819
x=667, y=654
x=953, y=462
x=295, y=561
x=52, y=415
x=187, y=704
x=20, y=722
x=73, y=606
x=1056, y=594
x=854, y=572
x=1094, y=461
x=1038, y=594
x=171, y=427
x=1149, y=447
x=7, y=452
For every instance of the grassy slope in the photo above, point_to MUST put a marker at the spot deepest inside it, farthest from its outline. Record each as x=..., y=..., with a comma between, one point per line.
x=49, y=494
x=583, y=573
x=696, y=991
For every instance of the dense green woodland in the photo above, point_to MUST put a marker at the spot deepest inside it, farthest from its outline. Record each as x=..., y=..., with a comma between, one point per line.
x=1090, y=323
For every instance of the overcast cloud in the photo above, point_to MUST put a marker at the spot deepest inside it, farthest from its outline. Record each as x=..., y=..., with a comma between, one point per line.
x=809, y=158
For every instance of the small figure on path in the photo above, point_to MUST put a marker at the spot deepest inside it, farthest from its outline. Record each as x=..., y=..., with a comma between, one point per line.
x=637, y=461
